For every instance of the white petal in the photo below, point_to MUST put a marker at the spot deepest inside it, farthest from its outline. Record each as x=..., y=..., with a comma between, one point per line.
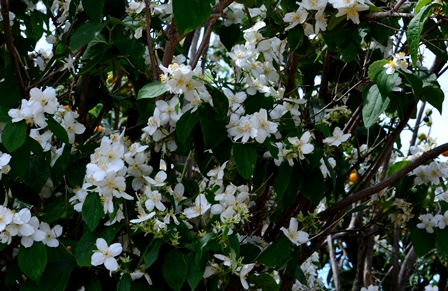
x=111, y=264
x=97, y=259
x=101, y=244
x=115, y=249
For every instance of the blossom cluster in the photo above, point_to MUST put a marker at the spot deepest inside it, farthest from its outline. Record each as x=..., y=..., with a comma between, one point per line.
x=429, y=221
x=309, y=268
x=34, y=111
x=27, y=227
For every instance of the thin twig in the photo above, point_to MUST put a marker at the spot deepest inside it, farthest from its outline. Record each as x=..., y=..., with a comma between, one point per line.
x=12, y=49
x=365, y=193
x=149, y=41
x=204, y=43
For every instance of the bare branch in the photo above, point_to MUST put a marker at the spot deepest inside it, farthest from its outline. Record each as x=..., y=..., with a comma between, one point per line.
x=429, y=155
x=149, y=40
x=12, y=49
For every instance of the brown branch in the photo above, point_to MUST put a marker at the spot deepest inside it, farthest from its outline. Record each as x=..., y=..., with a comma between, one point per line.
x=407, y=267
x=398, y=5
x=82, y=108
x=324, y=77
x=395, y=258
x=291, y=72
x=152, y=56
x=12, y=49
x=333, y=264
x=363, y=194
x=417, y=126
x=204, y=43
x=387, y=14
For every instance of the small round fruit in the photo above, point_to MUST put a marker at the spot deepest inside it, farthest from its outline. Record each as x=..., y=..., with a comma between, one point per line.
x=353, y=177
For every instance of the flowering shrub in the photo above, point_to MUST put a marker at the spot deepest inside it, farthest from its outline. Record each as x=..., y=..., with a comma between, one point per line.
x=220, y=145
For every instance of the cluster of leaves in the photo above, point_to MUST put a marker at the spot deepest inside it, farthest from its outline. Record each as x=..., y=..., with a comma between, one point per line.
x=220, y=144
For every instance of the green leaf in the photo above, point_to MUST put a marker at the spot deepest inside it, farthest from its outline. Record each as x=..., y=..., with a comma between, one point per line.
x=422, y=241
x=85, y=34
x=416, y=84
x=296, y=37
x=420, y=4
x=282, y=179
x=151, y=90
x=86, y=245
x=196, y=262
x=334, y=21
x=385, y=82
x=152, y=252
x=375, y=68
x=213, y=130
x=92, y=210
x=37, y=173
x=247, y=3
x=32, y=260
x=14, y=135
x=373, y=105
x=230, y=35
x=330, y=170
x=174, y=269
x=325, y=129
x=314, y=187
x=277, y=253
x=57, y=129
x=220, y=103
x=56, y=275
x=396, y=167
x=125, y=283
x=415, y=30
x=185, y=125
x=245, y=158
x=434, y=96
x=190, y=14
x=20, y=160
x=263, y=282
x=55, y=210
x=93, y=9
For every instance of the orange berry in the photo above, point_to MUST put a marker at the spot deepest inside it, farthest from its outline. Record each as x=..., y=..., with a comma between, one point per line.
x=353, y=177
x=98, y=128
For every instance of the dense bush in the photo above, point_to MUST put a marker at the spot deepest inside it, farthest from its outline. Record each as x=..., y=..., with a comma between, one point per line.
x=210, y=144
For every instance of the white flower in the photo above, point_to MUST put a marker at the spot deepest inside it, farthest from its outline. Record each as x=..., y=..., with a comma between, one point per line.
x=154, y=200
x=313, y=4
x=6, y=217
x=427, y=223
x=352, y=12
x=442, y=220
x=201, y=206
x=370, y=288
x=159, y=179
x=38, y=235
x=72, y=126
x=295, y=18
x=51, y=234
x=263, y=126
x=140, y=272
x=302, y=146
x=338, y=137
x=226, y=260
x=106, y=254
x=243, y=274
x=138, y=33
x=430, y=288
x=297, y=237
